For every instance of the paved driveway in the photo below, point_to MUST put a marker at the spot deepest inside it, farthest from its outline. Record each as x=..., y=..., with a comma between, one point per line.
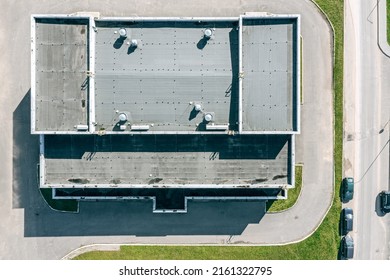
x=30, y=230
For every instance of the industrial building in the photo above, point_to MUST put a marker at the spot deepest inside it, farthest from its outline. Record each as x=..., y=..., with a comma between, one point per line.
x=166, y=109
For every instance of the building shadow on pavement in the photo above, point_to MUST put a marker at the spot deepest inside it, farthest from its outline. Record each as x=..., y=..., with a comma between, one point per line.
x=25, y=157
x=135, y=218
x=112, y=218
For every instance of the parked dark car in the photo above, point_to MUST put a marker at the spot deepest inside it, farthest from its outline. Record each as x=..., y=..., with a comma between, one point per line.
x=347, y=247
x=347, y=189
x=346, y=220
x=384, y=197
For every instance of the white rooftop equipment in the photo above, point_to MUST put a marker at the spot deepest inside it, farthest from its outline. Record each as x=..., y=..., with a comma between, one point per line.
x=143, y=127
x=208, y=117
x=217, y=126
x=134, y=43
x=82, y=127
x=122, y=117
x=208, y=33
x=123, y=32
x=198, y=107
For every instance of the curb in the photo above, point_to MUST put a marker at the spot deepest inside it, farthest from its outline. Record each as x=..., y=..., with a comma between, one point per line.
x=91, y=248
x=382, y=27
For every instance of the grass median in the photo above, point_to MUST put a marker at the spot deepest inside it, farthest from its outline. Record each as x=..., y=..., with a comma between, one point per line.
x=322, y=244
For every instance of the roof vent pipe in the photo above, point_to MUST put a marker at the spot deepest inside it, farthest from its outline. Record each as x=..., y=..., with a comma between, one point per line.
x=122, y=117
x=208, y=117
x=134, y=43
x=208, y=33
x=198, y=107
x=123, y=32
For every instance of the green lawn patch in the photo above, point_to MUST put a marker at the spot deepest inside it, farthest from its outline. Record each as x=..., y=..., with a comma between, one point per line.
x=293, y=194
x=388, y=20
x=66, y=205
x=322, y=244
x=291, y=252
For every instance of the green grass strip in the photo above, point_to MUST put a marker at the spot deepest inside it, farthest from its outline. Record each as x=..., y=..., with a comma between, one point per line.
x=310, y=250
x=388, y=20
x=293, y=194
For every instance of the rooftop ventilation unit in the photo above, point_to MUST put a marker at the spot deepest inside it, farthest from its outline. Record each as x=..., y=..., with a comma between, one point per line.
x=208, y=33
x=123, y=32
x=198, y=107
x=134, y=43
x=217, y=126
x=140, y=127
x=122, y=117
x=82, y=127
x=208, y=117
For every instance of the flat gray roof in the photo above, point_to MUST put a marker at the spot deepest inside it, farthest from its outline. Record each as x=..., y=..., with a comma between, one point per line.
x=268, y=94
x=173, y=68
x=164, y=160
x=244, y=76
x=61, y=57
